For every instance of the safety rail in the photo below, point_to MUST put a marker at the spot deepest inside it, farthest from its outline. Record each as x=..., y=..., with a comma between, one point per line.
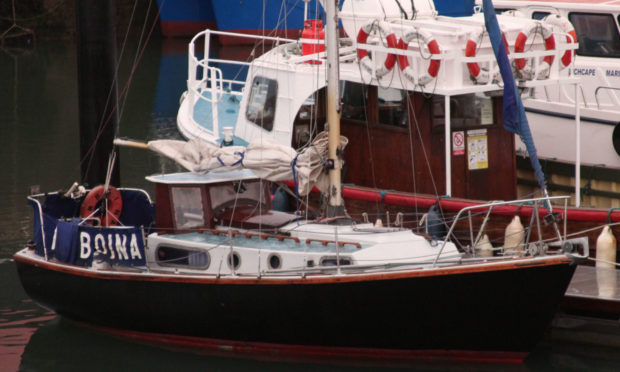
x=615, y=98
x=536, y=202
x=203, y=77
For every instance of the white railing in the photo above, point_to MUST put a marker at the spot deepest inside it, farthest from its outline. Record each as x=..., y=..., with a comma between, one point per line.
x=535, y=204
x=203, y=76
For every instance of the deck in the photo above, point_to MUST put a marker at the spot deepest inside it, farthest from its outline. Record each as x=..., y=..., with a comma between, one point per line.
x=594, y=292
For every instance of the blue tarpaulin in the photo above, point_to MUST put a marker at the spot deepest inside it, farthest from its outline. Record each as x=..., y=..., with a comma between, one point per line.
x=61, y=234
x=514, y=117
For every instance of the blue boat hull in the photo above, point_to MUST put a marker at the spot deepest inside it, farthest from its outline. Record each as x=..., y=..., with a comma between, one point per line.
x=284, y=18
x=185, y=17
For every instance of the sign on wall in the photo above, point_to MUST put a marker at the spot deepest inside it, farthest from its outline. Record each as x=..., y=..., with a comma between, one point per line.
x=477, y=149
x=458, y=143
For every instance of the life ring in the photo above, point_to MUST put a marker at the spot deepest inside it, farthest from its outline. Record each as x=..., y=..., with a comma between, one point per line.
x=567, y=28
x=522, y=66
x=362, y=54
x=433, y=47
x=479, y=75
x=111, y=212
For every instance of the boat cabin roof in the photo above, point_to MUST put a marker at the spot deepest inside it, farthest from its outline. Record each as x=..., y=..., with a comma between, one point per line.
x=583, y=5
x=189, y=178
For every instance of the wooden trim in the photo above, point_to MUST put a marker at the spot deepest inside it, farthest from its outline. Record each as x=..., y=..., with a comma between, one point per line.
x=509, y=264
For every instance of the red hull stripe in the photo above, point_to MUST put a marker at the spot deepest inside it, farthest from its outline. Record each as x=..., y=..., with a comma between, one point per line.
x=272, y=351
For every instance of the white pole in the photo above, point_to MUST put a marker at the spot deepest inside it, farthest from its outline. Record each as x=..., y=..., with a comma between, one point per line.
x=448, y=140
x=578, y=149
x=306, y=9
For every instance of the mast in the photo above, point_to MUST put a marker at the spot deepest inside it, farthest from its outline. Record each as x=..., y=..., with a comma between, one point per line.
x=335, y=207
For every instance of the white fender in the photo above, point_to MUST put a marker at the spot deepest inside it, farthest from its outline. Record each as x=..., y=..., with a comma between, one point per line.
x=606, y=248
x=606, y=271
x=514, y=236
x=484, y=248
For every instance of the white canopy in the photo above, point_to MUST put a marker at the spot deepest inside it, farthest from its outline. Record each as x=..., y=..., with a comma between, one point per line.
x=266, y=158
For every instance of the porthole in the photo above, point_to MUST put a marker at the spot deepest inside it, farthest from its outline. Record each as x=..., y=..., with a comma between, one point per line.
x=234, y=260
x=275, y=262
x=179, y=257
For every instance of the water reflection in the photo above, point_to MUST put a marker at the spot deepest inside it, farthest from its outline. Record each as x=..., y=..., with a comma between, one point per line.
x=20, y=318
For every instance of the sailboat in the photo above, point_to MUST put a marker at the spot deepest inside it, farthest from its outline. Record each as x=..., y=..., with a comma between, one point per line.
x=214, y=266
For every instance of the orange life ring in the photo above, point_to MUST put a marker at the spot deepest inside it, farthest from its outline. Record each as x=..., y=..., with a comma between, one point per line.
x=479, y=75
x=362, y=54
x=571, y=36
x=520, y=63
x=433, y=47
x=110, y=213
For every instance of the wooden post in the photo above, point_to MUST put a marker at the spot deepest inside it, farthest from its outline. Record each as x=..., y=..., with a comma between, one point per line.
x=98, y=95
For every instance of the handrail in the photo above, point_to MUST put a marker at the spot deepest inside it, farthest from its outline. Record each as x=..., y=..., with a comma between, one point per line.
x=33, y=199
x=457, y=218
x=598, y=106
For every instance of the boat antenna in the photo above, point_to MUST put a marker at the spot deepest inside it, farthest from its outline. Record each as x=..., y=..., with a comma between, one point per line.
x=335, y=206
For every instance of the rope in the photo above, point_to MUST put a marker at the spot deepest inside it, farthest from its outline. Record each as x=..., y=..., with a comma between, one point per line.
x=402, y=10
x=125, y=89
x=239, y=161
x=293, y=165
x=605, y=261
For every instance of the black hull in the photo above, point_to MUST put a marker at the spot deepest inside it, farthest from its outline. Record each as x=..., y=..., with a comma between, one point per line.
x=505, y=310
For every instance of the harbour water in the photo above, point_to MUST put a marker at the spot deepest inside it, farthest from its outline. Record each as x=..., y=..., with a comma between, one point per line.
x=39, y=147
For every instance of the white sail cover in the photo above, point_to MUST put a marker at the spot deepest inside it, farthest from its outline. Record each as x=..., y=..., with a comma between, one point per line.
x=266, y=158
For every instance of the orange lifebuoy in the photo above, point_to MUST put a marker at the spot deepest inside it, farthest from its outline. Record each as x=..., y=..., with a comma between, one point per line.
x=479, y=75
x=110, y=211
x=520, y=63
x=433, y=47
x=571, y=36
x=362, y=54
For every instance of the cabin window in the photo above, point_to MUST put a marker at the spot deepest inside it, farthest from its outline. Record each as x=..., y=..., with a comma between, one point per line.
x=392, y=107
x=353, y=97
x=193, y=259
x=239, y=194
x=597, y=34
x=334, y=261
x=466, y=111
x=262, y=102
x=187, y=207
x=275, y=262
x=540, y=15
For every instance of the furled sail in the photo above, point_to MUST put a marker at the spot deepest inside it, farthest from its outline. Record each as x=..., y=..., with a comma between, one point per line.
x=266, y=158
x=515, y=120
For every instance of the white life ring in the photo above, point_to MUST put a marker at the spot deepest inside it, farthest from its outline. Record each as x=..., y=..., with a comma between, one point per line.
x=433, y=47
x=571, y=36
x=525, y=68
x=362, y=54
x=478, y=74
